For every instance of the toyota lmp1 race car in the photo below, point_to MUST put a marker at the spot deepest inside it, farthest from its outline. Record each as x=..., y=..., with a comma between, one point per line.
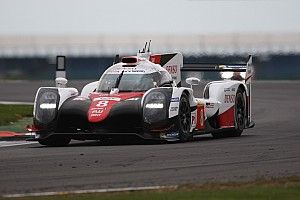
x=143, y=96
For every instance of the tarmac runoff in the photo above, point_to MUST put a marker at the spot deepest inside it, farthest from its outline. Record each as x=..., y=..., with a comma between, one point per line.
x=14, y=143
x=9, y=138
x=270, y=149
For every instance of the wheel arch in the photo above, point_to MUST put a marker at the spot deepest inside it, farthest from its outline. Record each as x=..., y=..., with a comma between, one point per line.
x=243, y=87
x=247, y=100
x=189, y=94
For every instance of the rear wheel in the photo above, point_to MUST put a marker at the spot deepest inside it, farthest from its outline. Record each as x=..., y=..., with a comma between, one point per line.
x=55, y=141
x=184, y=119
x=239, y=113
x=239, y=117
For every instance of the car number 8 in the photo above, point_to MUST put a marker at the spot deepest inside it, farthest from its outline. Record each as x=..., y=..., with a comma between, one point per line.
x=102, y=103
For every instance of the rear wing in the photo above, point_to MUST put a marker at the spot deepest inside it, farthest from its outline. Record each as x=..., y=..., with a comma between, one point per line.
x=172, y=62
x=244, y=70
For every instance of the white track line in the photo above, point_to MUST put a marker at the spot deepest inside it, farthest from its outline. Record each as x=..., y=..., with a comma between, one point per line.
x=14, y=143
x=127, y=189
x=15, y=103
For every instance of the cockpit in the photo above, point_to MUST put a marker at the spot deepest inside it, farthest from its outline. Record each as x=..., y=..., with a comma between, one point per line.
x=134, y=82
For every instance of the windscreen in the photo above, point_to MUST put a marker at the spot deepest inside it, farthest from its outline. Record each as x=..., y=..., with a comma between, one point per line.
x=129, y=82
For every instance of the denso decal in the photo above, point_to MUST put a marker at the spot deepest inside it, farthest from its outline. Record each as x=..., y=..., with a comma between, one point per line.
x=172, y=69
x=229, y=98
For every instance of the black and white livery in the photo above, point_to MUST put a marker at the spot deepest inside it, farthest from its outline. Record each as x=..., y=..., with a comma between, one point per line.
x=142, y=96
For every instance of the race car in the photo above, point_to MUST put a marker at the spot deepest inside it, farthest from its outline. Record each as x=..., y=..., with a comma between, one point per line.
x=143, y=96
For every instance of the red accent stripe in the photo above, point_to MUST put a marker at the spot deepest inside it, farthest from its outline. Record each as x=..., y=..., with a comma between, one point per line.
x=200, y=117
x=155, y=59
x=9, y=134
x=226, y=119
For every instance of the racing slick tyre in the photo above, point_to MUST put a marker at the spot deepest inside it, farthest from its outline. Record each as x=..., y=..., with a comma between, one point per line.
x=55, y=141
x=239, y=117
x=239, y=113
x=184, y=119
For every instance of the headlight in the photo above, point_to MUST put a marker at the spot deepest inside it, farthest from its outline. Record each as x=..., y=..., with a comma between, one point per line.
x=46, y=105
x=154, y=107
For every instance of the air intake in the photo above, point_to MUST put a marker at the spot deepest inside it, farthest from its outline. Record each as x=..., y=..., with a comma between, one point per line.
x=129, y=60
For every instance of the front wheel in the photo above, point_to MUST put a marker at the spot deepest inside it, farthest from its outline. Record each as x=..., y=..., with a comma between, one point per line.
x=55, y=141
x=184, y=119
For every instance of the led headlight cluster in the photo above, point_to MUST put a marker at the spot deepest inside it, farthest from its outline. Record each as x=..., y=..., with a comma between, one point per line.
x=46, y=105
x=154, y=107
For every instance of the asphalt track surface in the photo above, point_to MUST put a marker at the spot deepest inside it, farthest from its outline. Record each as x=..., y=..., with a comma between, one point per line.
x=271, y=149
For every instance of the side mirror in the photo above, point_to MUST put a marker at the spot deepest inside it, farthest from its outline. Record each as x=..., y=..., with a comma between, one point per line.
x=192, y=81
x=60, y=63
x=61, y=82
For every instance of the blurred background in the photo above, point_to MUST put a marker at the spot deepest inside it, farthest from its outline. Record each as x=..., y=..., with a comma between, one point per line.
x=91, y=32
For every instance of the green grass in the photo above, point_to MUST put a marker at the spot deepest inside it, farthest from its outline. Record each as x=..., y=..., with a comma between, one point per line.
x=284, y=188
x=9, y=114
x=18, y=126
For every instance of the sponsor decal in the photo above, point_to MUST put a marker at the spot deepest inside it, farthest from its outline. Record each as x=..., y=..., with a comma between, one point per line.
x=210, y=105
x=172, y=69
x=97, y=111
x=173, y=109
x=101, y=94
x=132, y=99
x=233, y=89
x=107, y=99
x=175, y=99
x=139, y=71
x=226, y=89
x=229, y=98
x=173, y=134
x=95, y=115
x=80, y=99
